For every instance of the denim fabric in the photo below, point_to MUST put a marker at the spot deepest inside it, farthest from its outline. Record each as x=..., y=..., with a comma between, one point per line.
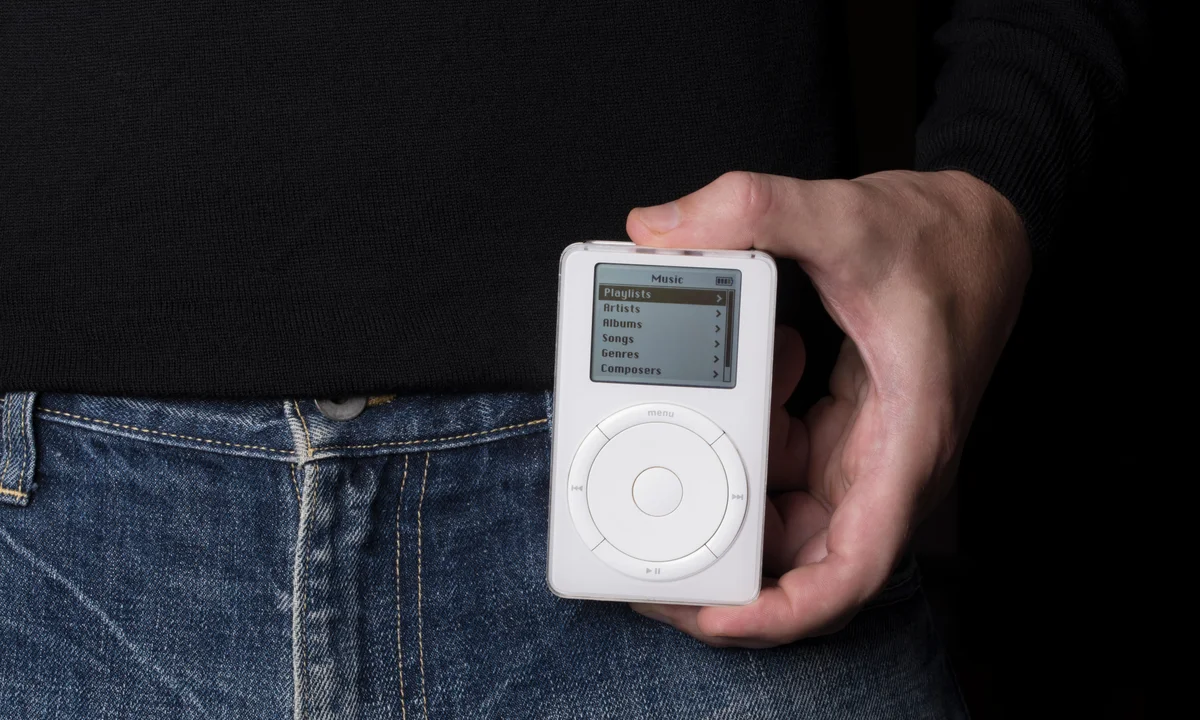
x=203, y=559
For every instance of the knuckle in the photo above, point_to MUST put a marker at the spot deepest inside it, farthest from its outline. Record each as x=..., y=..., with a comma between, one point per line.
x=750, y=194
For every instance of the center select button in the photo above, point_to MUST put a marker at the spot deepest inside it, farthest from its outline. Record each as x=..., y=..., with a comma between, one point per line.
x=657, y=491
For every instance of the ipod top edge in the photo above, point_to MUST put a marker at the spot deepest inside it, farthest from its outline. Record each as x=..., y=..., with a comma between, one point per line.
x=625, y=246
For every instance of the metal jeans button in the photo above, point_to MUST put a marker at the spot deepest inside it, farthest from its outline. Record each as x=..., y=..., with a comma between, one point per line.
x=342, y=408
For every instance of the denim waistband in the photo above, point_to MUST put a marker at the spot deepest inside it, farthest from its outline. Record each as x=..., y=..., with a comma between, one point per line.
x=289, y=430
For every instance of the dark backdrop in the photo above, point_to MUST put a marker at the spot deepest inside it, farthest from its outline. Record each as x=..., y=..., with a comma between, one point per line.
x=1034, y=564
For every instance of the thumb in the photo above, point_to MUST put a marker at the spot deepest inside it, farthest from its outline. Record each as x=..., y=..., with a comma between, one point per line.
x=783, y=216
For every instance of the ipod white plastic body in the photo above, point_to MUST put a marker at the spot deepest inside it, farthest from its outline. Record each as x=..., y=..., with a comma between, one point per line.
x=658, y=481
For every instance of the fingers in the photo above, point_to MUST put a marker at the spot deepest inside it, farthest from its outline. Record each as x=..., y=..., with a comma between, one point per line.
x=740, y=210
x=818, y=596
x=814, y=550
x=827, y=422
x=775, y=558
x=815, y=598
x=835, y=568
x=835, y=571
x=686, y=619
x=682, y=617
x=794, y=519
x=810, y=600
x=849, y=374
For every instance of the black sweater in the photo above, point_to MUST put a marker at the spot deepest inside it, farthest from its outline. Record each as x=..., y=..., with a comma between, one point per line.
x=311, y=198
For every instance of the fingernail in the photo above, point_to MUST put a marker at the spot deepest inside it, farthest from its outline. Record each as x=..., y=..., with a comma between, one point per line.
x=660, y=218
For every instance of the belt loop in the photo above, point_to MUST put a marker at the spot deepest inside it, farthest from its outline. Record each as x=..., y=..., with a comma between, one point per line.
x=17, y=453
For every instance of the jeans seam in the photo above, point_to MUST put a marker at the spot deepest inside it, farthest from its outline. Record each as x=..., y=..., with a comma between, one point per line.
x=448, y=438
x=304, y=620
x=295, y=485
x=310, y=450
x=420, y=622
x=160, y=433
x=304, y=674
x=304, y=423
x=24, y=464
x=399, y=635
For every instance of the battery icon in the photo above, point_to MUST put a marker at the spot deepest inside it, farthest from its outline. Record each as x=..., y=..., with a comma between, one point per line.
x=725, y=280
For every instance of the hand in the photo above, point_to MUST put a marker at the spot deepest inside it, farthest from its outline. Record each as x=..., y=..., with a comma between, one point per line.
x=925, y=273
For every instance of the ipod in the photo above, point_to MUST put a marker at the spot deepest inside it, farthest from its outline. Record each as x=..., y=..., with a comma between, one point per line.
x=660, y=424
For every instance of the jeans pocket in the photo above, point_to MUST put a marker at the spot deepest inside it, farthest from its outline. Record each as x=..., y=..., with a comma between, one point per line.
x=17, y=453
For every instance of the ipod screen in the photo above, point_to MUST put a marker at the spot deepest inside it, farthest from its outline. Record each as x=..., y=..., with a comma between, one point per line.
x=661, y=325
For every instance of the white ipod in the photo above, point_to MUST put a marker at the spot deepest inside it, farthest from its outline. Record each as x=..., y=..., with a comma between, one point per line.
x=660, y=424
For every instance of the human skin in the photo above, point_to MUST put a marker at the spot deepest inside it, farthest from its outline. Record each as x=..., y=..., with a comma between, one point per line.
x=925, y=273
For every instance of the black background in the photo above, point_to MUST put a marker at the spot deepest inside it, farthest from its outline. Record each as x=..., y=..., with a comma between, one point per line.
x=1035, y=566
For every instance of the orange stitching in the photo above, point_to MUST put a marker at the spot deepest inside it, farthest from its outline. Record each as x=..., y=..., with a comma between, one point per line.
x=434, y=440
x=304, y=605
x=163, y=434
x=399, y=637
x=420, y=624
x=295, y=485
x=303, y=422
x=14, y=493
x=376, y=400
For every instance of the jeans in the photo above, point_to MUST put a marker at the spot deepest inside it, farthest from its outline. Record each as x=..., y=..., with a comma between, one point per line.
x=259, y=559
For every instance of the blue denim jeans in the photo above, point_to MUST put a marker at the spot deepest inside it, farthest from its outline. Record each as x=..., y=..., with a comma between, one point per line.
x=208, y=559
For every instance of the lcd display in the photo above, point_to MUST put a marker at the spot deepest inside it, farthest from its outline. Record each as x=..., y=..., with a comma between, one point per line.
x=661, y=325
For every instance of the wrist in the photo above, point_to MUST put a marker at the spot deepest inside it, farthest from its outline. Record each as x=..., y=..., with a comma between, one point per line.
x=1007, y=247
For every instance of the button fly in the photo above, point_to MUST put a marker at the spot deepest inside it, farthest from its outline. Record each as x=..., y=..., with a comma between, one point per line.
x=342, y=408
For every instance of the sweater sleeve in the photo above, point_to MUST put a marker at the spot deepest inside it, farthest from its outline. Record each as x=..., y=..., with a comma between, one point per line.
x=1028, y=97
